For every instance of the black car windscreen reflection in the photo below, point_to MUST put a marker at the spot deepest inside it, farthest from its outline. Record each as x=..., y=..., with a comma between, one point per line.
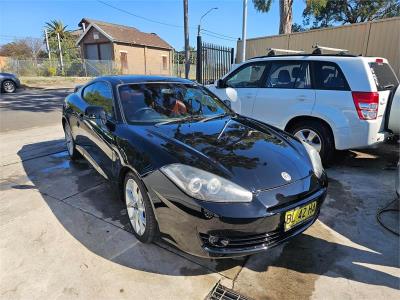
x=160, y=102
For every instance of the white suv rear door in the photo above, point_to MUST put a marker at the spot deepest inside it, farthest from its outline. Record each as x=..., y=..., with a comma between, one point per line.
x=285, y=92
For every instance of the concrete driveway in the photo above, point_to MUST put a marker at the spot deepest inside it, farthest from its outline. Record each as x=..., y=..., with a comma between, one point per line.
x=64, y=235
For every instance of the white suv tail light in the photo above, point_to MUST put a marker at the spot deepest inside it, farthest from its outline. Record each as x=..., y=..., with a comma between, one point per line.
x=367, y=104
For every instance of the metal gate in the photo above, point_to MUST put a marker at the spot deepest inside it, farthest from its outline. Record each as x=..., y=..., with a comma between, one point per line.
x=213, y=61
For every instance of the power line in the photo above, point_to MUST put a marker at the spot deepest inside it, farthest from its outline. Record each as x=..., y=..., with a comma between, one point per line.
x=16, y=36
x=205, y=31
x=216, y=33
x=140, y=17
x=159, y=22
x=218, y=37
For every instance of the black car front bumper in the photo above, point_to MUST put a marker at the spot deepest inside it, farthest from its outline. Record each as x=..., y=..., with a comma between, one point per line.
x=220, y=230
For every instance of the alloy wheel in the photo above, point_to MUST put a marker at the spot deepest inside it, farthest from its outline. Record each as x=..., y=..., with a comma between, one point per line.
x=9, y=86
x=69, y=140
x=310, y=137
x=135, y=206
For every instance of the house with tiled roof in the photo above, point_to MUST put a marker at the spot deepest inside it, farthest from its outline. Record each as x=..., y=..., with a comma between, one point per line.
x=134, y=51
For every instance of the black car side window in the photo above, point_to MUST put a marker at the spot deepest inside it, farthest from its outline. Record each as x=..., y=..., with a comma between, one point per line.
x=100, y=94
x=328, y=76
x=246, y=77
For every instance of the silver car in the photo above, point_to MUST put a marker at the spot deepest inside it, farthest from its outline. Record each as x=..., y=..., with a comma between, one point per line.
x=9, y=82
x=394, y=116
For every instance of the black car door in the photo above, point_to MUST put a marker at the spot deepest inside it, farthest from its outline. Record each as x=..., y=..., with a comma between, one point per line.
x=99, y=136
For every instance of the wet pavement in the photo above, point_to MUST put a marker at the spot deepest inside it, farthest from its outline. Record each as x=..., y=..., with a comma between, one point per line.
x=64, y=234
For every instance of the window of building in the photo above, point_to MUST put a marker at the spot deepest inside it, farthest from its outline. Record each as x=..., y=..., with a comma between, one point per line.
x=164, y=63
x=124, y=60
x=92, y=52
x=105, y=51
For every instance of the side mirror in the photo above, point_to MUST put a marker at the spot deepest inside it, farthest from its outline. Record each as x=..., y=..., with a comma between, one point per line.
x=77, y=88
x=220, y=84
x=210, y=82
x=96, y=113
x=228, y=103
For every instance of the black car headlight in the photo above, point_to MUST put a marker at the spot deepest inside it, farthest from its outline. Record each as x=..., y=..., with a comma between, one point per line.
x=205, y=186
x=315, y=159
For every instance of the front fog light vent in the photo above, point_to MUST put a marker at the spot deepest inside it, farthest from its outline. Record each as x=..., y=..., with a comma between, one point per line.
x=207, y=214
x=218, y=241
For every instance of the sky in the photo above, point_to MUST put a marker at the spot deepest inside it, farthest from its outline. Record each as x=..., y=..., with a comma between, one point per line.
x=27, y=18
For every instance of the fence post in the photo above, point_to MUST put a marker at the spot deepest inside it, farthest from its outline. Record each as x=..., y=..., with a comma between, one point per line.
x=199, y=60
x=232, y=55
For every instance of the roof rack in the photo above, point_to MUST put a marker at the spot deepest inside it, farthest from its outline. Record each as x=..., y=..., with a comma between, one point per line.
x=272, y=51
x=319, y=48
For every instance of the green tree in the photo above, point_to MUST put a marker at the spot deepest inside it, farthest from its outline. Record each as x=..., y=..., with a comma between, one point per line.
x=28, y=48
x=285, y=13
x=325, y=13
x=56, y=26
x=68, y=47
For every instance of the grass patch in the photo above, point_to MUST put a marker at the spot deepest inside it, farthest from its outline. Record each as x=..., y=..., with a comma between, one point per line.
x=53, y=82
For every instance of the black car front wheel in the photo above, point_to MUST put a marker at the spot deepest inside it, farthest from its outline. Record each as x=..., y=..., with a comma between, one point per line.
x=70, y=143
x=139, y=209
x=9, y=86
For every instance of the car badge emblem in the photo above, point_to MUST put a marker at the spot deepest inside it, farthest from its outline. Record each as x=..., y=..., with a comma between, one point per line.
x=286, y=176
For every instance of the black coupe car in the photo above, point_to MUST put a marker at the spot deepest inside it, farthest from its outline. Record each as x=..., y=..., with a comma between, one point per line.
x=190, y=170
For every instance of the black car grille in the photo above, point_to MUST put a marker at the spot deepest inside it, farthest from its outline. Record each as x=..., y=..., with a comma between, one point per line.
x=252, y=241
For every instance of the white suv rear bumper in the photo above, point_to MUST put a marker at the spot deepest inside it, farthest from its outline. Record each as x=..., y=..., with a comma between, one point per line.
x=367, y=134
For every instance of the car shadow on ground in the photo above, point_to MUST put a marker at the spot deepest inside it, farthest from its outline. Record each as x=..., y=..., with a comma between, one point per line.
x=85, y=205
x=34, y=100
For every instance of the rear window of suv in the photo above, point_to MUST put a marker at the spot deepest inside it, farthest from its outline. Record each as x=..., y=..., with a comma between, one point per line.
x=383, y=76
x=328, y=76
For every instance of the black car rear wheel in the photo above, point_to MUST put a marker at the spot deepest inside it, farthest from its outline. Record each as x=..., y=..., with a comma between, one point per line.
x=9, y=86
x=140, y=211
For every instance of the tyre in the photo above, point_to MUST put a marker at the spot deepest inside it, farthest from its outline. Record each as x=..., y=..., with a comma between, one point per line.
x=318, y=135
x=70, y=143
x=9, y=86
x=140, y=211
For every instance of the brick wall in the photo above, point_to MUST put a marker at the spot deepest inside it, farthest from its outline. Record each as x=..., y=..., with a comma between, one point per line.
x=143, y=60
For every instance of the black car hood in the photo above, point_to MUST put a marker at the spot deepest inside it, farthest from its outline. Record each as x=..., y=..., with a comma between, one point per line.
x=244, y=151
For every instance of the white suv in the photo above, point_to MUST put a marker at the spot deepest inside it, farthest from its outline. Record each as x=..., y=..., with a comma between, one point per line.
x=329, y=101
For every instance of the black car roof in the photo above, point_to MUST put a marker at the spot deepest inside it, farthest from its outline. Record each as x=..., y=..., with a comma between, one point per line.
x=118, y=79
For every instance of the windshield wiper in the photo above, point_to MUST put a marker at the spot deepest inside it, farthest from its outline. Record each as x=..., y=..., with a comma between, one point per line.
x=178, y=120
x=214, y=117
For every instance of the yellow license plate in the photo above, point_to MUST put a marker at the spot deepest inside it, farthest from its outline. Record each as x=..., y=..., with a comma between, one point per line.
x=299, y=214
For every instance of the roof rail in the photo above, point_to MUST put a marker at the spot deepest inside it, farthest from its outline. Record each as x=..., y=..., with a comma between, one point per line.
x=319, y=48
x=272, y=51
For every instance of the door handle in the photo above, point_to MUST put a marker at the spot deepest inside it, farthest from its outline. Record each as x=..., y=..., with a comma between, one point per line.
x=302, y=98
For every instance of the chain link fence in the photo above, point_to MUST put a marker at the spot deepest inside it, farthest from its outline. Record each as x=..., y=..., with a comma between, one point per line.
x=178, y=64
x=72, y=68
x=87, y=68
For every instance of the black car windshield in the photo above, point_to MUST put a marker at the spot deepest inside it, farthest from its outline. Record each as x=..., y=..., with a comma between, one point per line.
x=164, y=102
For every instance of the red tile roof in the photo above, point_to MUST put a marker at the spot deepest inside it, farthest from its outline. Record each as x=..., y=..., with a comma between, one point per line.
x=129, y=35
